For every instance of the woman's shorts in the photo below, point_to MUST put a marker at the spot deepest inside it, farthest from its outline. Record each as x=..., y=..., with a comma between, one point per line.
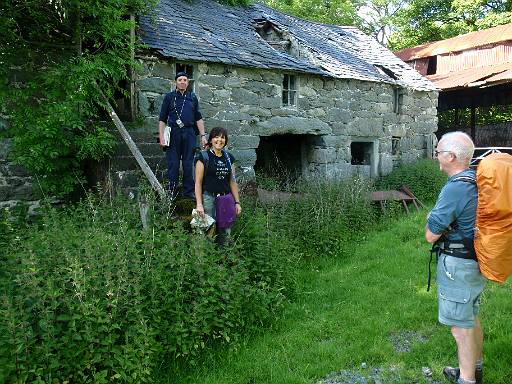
x=459, y=286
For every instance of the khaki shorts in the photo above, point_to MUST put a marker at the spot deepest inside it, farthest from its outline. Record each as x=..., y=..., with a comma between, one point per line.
x=459, y=286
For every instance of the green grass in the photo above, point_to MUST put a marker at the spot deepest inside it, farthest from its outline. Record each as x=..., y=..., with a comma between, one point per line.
x=345, y=314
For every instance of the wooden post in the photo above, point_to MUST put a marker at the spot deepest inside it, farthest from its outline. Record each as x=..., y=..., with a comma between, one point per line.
x=144, y=213
x=135, y=151
x=132, y=71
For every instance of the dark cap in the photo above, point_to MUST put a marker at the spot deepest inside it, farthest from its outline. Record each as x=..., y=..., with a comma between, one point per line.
x=179, y=74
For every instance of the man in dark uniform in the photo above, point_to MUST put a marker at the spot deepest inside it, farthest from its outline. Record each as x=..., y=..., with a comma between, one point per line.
x=180, y=111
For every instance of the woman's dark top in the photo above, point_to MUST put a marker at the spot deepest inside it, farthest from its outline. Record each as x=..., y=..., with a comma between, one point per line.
x=217, y=172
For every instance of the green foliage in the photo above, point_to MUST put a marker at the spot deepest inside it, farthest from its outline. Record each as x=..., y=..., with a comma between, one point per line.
x=365, y=314
x=59, y=58
x=341, y=12
x=423, y=21
x=461, y=118
x=423, y=178
x=90, y=297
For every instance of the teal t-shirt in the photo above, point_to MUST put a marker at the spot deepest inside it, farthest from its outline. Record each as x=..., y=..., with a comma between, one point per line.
x=455, y=207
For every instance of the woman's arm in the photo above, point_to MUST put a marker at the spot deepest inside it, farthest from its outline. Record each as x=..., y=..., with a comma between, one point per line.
x=234, y=190
x=198, y=187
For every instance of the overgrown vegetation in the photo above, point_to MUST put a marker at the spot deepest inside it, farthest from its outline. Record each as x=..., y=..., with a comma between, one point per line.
x=59, y=59
x=423, y=178
x=88, y=296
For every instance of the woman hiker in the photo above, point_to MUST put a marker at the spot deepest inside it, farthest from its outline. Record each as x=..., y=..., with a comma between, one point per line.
x=216, y=189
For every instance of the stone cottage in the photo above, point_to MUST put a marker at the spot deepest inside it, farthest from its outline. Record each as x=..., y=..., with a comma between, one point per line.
x=311, y=98
x=298, y=96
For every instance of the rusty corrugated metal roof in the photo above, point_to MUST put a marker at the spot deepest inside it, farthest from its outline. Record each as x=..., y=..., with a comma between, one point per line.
x=473, y=77
x=458, y=43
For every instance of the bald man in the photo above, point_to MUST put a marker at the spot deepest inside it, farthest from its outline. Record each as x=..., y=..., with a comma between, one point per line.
x=459, y=281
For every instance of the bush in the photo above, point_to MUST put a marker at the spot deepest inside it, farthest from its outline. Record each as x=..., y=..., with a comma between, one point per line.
x=90, y=297
x=423, y=178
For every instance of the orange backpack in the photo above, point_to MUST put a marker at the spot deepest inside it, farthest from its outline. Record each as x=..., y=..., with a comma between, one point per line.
x=493, y=232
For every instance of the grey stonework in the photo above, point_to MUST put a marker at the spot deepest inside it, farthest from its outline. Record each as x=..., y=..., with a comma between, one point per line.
x=330, y=114
x=16, y=186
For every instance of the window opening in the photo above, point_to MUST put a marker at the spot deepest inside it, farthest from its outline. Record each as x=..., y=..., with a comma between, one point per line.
x=398, y=100
x=289, y=90
x=361, y=153
x=432, y=65
x=273, y=35
x=395, y=145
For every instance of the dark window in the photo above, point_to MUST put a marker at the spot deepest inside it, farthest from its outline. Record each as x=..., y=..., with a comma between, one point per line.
x=398, y=100
x=395, y=146
x=432, y=65
x=361, y=153
x=289, y=90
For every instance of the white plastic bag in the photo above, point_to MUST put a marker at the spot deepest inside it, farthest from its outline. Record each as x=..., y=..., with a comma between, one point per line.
x=199, y=222
x=167, y=136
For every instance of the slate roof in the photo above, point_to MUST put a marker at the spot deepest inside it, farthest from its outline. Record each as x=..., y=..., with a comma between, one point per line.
x=207, y=31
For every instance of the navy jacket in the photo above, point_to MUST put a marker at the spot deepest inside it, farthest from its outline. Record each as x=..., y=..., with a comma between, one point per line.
x=186, y=107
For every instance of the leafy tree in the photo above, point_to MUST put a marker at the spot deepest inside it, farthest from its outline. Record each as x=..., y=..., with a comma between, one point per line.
x=339, y=12
x=376, y=17
x=422, y=21
x=59, y=57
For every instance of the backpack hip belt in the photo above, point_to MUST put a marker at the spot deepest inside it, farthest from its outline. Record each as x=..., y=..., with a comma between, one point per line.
x=456, y=249
x=450, y=248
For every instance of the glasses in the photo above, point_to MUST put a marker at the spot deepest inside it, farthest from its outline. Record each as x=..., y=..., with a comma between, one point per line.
x=436, y=152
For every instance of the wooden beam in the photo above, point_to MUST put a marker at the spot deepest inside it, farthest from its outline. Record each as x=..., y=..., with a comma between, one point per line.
x=135, y=151
x=132, y=71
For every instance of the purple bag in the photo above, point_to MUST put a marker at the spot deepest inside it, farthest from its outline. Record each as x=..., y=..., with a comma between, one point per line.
x=225, y=211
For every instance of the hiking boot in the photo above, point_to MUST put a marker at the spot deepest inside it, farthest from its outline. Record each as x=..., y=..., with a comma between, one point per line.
x=452, y=374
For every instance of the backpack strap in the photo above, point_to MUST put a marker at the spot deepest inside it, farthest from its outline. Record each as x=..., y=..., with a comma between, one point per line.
x=435, y=250
x=229, y=162
x=465, y=179
x=467, y=242
x=206, y=160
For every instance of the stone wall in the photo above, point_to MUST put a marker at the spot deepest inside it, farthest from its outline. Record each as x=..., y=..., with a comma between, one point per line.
x=330, y=113
x=16, y=186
